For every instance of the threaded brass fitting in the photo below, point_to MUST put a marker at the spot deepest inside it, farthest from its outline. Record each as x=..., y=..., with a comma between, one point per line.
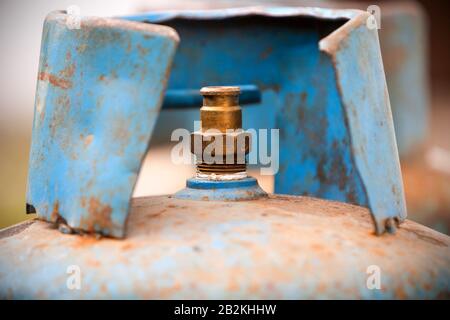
x=221, y=118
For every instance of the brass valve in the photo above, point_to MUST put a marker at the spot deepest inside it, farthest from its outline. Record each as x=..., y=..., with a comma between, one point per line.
x=221, y=145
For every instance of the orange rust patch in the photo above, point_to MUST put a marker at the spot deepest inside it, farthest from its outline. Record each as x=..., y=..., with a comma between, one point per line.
x=55, y=81
x=85, y=240
x=55, y=212
x=81, y=48
x=99, y=214
x=321, y=288
x=127, y=246
x=169, y=291
x=88, y=140
x=68, y=72
x=379, y=252
x=400, y=293
x=121, y=133
x=317, y=247
x=93, y=263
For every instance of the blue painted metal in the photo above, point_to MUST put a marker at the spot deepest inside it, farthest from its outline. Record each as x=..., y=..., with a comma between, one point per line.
x=191, y=98
x=323, y=85
x=99, y=91
x=366, y=102
x=212, y=190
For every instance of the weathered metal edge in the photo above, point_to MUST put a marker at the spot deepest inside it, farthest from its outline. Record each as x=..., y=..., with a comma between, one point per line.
x=217, y=14
x=385, y=215
x=88, y=23
x=384, y=185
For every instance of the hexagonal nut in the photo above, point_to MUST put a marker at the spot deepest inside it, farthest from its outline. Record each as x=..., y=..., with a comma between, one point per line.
x=233, y=142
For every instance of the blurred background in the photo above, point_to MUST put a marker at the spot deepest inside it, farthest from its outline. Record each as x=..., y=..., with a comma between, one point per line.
x=427, y=182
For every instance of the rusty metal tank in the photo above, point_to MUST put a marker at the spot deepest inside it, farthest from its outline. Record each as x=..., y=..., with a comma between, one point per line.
x=277, y=247
x=222, y=236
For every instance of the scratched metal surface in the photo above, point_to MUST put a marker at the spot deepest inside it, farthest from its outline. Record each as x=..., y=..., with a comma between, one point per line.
x=362, y=86
x=323, y=85
x=98, y=95
x=277, y=247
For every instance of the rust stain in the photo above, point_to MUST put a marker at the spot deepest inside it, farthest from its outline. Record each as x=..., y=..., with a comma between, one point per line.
x=321, y=288
x=59, y=118
x=266, y=53
x=93, y=262
x=351, y=197
x=274, y=87
x=379, y=252
x=331, y=167
x=99, y=214
x=127, y=246
x=81, y=48
x=55, y=81
x=317, y=247
x=303, y=97
x=400, y=293
x=85, y=240
x=54, y=216
x=68, y=71
x=88, y=140
x=167, y=292
x=157, y=213
x=143, y=51
x=121, y=131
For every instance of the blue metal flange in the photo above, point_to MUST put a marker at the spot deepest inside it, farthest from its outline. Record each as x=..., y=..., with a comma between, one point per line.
x=219, y=190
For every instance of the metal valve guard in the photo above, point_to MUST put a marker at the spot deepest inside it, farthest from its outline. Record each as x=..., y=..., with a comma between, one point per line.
x=100, y=89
